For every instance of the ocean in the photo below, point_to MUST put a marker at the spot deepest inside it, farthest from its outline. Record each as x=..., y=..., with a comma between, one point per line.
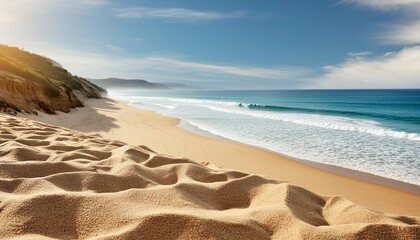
x=373, y=131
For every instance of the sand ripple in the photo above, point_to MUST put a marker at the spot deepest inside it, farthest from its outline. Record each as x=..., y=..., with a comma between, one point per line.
x=57, y=183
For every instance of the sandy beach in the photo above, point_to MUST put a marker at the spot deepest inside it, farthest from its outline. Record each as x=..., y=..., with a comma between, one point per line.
x=210, y=120
x=116, y=120
x=59, y=183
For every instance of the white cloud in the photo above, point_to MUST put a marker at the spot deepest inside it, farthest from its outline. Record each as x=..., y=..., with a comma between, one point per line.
x=175, y=14
x=359, y=54
x=276, y=73
x=385, y=4
x=408, y=33
x=162, y=68
x=404, y=33
x=393, y=70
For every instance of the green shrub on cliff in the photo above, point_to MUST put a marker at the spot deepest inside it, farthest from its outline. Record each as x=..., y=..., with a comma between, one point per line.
x=42, y=70
x=30, y=83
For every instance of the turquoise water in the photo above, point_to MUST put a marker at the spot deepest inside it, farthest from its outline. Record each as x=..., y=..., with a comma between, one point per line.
x=374, y=131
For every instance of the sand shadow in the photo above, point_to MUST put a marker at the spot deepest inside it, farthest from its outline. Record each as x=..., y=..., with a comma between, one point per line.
x=89, y=119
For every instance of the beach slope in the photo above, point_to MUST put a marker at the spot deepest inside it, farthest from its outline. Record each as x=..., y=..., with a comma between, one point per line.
x=59, y=183
x=115, y=120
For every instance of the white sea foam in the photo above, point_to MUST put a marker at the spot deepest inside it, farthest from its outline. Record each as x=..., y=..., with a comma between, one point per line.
x=328, y=122
x=351, y=151
x=179, y=100
x=170, y=107
x=314, y=120
x=359, y=144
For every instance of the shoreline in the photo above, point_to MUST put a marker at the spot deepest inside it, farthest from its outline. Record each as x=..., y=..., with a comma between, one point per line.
x=342, y=171
x=93, y=187
x=375, y=192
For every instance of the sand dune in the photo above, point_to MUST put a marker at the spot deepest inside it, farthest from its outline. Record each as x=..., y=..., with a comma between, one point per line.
x=58, y=183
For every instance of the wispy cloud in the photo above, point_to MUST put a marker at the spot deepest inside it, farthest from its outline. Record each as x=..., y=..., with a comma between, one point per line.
x=392, y=70
x=175, y=14
x=166, y=68
x=275, y=73
x=359, y=54
x=385, y=4
x=407, y=32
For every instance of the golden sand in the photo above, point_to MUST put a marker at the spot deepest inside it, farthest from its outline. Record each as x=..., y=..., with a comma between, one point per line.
x=58, y=183
x=116, y=120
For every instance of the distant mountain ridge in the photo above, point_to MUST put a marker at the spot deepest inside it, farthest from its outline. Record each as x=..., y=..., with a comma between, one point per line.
x=125, y=83
x=30, y=82
x=110, y=83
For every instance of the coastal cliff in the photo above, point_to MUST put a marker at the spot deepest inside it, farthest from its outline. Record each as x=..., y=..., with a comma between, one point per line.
x=31, y=83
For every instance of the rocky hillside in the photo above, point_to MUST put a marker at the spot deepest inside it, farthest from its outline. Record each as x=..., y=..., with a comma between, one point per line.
x=31, y=83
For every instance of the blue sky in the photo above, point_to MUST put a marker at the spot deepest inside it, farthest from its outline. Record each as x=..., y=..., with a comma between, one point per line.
x=226, y=44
